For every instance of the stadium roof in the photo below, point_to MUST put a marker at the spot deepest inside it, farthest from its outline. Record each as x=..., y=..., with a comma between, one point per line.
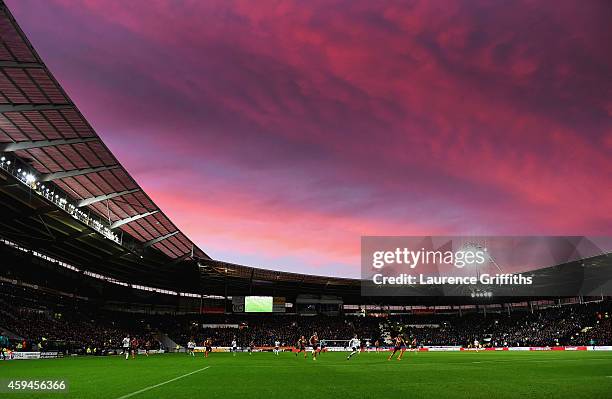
x=587, y=277
x=39, y=124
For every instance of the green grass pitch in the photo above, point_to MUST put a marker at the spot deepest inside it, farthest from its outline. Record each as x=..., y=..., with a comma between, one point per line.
x=489, y=375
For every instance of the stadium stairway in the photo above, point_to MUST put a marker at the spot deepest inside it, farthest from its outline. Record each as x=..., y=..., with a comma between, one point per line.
x=167, y=343
x=7, y=317
x=9, y=334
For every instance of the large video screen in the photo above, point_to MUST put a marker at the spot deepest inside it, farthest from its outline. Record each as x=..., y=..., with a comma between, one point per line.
x=258, y=304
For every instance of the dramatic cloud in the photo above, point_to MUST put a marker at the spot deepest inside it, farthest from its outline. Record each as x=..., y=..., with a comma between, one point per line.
x=276, y=133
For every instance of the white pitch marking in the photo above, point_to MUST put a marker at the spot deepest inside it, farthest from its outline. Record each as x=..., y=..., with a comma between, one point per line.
x=129, y=395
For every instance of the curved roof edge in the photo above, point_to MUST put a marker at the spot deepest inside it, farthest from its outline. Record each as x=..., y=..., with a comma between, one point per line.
x=41, y=126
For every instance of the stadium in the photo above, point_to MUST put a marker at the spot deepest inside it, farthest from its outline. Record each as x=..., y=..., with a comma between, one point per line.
x=103, y=296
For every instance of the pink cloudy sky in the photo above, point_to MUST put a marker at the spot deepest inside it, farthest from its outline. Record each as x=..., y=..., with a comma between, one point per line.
x=275, y=134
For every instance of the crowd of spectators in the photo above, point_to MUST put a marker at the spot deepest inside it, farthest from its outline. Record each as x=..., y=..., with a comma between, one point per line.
x=43, y=330
x=75, y=330
x=264, y=330
x=79, y=329
x=579, y=324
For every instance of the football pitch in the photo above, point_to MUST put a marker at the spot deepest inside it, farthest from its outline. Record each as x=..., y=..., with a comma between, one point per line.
x=367, y=375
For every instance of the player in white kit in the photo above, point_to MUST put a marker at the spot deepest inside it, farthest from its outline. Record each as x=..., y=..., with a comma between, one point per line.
x=126, y=347
x=276, y=347
x=234, y=346
x=190, y=347
x=354, y=344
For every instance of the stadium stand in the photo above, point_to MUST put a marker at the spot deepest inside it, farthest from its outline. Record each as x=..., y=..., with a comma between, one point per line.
x=46, y=318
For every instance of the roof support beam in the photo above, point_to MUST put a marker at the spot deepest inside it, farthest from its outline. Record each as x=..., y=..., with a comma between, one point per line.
x=73, y=236
x=117, y=255
x=17, y=64
x=93, y=200
x=121, y=222
x=158, y=239
x=10, y=216
x=179, y=259
x=8, y=183
x=26, y=145
x=75, y=172
x=32, y=107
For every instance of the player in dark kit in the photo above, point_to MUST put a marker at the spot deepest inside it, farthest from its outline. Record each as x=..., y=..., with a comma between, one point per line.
x=400, y=345
x=147, y=347
x=301, y=346
x=314, y=342
x=208, y=347
x=251, y=347
x=134, y=345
